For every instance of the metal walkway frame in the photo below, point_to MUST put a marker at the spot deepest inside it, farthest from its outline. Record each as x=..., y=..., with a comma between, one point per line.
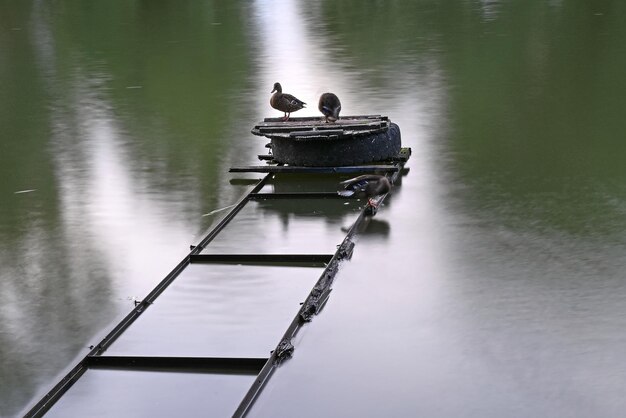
x=263, y=368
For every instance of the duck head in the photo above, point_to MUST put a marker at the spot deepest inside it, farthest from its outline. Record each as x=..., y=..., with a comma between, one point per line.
x=277, y=88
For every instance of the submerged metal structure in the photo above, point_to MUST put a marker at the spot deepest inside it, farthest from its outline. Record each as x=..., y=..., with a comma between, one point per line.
x=263, y=367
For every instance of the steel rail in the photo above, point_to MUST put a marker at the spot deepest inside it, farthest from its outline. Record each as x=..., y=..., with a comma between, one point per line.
x=311, y=306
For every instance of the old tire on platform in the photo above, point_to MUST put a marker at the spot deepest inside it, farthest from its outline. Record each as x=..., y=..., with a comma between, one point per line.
x=337, y=151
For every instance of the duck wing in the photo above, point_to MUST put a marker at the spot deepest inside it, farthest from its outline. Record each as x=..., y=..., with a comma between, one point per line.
x=345, y=193
x=369, y=184
x=360, y=181
x=329, y=110
x=292, y=102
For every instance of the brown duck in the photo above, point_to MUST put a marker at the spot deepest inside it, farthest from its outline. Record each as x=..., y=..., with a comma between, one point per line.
x=285, y=102
x=330, y=106
x=369, y=186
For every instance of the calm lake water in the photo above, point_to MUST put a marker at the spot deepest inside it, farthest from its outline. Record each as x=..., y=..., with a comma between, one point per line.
x=492, y=283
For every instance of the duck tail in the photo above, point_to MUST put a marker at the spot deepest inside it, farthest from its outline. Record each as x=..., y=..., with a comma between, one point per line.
x=355, y=180
x=345, y=193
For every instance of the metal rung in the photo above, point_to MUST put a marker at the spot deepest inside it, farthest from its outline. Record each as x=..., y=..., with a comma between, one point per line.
x=196, y=364
x=296, y=195
x=320, y=259
x=298, y=169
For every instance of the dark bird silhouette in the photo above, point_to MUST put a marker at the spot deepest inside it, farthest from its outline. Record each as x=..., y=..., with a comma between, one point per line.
x=285, y=102
x=330, y=106
x=369, y=185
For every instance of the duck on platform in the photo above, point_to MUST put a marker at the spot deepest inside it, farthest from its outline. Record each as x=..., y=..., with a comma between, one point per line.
x=330, y=106
x=369, y=185
x=285, y=102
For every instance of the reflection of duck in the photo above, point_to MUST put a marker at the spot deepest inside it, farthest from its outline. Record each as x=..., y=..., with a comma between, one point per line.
x=372, y=227
x=369, y=185
x=377, y=228
x=330, y=106
x=285, y=102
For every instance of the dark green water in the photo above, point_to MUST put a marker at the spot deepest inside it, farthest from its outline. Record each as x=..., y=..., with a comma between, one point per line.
x=503, y=250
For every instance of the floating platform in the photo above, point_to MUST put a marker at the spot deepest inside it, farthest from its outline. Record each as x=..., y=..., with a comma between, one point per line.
x=313, y=142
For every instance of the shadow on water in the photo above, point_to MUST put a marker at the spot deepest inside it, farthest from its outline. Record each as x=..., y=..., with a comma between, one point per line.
x=375, y=228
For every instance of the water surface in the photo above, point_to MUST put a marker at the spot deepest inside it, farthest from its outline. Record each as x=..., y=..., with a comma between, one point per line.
x=490, y=284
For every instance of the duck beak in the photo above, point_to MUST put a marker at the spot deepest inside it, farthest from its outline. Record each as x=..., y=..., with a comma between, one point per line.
x=273, y=90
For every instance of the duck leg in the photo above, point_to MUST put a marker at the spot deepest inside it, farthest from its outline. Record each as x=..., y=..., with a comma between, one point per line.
x=371, y=208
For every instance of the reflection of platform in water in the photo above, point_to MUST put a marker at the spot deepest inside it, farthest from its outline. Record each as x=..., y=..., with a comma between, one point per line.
x=218, y=326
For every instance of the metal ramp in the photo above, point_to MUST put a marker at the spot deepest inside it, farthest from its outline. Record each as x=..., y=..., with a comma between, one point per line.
x=260, y=368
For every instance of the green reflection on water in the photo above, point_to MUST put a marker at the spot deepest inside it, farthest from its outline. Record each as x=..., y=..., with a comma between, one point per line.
x=536, y=118
x=534, y=93
x=154, y=84
x=530, y=132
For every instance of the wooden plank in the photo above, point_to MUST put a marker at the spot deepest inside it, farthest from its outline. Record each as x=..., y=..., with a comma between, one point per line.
x=317, y=118
x=319, y=127
x=320, y=124
x=320, y=133
x=270, y=129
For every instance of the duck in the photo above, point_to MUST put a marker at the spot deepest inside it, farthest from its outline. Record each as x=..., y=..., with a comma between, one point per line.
x=285, y=102
x=330, y=106
x=368, y=185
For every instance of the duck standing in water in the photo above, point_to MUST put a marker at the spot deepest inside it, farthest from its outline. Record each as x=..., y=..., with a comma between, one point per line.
x=369, y=185
x=285, y=102
x=330, y=106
